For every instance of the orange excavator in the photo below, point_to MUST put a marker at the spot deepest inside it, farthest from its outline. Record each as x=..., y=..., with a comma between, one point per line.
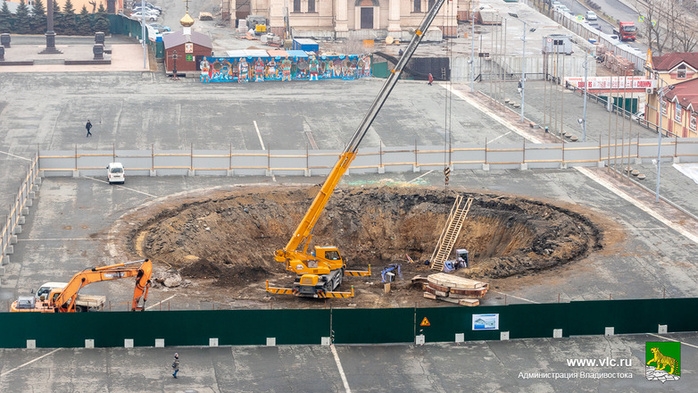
x=68, y=299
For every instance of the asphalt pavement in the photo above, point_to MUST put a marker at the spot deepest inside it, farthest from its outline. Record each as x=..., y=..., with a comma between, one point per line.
x=70, y=227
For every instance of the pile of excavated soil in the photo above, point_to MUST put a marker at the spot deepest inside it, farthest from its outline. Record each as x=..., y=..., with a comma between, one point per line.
x=228, y=238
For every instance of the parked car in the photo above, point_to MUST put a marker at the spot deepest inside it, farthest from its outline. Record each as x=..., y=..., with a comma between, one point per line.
x=160, y=28
x=147, y=10
x=147, y=16
x=591, y=15
x=564, y=8
x=115, y=173
x=138, y=4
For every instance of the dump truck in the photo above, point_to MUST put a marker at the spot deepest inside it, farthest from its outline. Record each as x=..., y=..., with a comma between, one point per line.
x=626, y=31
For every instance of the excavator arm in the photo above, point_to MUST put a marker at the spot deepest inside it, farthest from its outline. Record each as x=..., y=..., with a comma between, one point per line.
x=65, y=302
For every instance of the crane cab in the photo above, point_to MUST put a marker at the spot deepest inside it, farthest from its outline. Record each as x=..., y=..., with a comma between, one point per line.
x=329, y=254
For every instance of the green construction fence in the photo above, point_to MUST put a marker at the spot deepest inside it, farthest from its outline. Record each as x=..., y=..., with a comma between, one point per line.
x=345, y=325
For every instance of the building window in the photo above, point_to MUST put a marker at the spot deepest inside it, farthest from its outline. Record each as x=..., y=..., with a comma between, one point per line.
x=692, y=124
x=296, y=5
x=677, y=112
x=417, y=6
x=430, y=4
x=681, y=73
x=311, y=5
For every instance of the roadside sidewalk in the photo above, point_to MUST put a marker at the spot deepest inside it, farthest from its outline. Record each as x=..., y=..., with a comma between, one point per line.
x=126, y=55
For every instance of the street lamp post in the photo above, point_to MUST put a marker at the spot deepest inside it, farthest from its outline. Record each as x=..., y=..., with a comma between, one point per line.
x=523, y=65
x=523, y=73
x=659, y=140
x=659, y=144
x=472, y=51
x=145, y=48
x=586, y=87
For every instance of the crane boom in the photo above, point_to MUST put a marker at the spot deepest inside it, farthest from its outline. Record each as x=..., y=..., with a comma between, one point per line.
x=298, y=260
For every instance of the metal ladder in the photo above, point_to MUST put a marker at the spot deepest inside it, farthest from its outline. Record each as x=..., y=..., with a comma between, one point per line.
x=450, y=233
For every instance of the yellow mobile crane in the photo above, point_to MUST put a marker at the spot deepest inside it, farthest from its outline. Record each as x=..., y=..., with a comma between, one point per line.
x=318, y=274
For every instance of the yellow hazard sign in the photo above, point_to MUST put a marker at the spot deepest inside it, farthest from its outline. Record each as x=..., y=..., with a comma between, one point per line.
x=425, y=322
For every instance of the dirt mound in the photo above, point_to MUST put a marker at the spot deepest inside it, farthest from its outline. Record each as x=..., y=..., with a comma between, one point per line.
x=230, y=236
x=234, y=275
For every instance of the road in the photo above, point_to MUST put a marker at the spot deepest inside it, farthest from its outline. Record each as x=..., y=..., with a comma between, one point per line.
x=69, y=228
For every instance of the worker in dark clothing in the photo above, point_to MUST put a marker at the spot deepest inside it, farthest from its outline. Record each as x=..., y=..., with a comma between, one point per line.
x=175, y=365
x=88, y=126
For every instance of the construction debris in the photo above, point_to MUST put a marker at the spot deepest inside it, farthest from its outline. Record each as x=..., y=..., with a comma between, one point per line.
x=453, y=289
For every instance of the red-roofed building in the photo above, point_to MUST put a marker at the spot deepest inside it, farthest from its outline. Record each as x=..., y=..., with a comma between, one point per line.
x=677, y=82
x=187, y=48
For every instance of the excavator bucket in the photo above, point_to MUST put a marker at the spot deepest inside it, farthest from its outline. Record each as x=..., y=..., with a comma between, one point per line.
x=358, y=273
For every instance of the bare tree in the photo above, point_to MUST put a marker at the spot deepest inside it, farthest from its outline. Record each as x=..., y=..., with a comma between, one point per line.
x=668, y=25
x=686, y=35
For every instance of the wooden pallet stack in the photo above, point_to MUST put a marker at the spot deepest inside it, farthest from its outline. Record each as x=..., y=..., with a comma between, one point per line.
x=454, y=289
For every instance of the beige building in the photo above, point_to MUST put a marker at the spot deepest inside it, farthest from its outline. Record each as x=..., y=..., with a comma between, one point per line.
x=355, y=19
x=677, y=93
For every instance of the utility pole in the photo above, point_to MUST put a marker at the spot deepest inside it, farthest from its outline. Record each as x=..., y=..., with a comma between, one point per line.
x=523, y=73
x=523, y=66
x=659, y=137
x=586, y=87
x=145, y=48
x=472, y=51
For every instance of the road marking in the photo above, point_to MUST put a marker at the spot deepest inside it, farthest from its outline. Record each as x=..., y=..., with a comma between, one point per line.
x=419, y=177
x=15, y=156
x=160, y=302
x=122, y=186
x=30, y=362
x=259, y=135
x=311, y=140
x=671, y=339
x=501, y=136
x=647, y=209
x=515, y=297
x=635, y=201
x=341, y=370
x=493, y=115
x=56, y=239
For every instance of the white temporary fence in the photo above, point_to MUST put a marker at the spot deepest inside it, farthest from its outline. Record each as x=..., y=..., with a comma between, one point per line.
x=195, y=162
x=18, y=209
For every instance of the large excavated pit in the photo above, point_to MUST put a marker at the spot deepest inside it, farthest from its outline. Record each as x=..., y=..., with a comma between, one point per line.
x=229, y=237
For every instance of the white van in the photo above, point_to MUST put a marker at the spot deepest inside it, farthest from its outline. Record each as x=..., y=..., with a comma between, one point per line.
x=45, y=289
x=115, y=173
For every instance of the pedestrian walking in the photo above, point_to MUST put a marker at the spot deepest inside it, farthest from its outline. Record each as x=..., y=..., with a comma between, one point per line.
x=88, y=126
x=175, y=365
x=431, y=79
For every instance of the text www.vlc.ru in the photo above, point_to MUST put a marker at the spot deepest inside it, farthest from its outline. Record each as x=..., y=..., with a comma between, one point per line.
x=605, y=362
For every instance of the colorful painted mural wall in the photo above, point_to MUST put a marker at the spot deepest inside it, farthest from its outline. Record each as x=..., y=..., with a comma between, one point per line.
x=241, y=66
